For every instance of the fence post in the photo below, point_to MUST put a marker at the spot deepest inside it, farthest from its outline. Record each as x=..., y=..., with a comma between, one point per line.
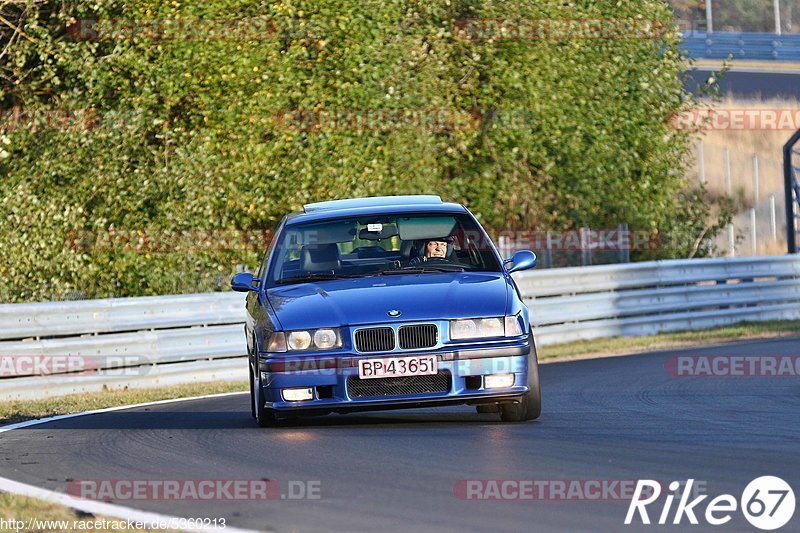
x=729, y=191
x=731, y=241
x=755, y=180
x=701, y=162
x=728, y=187
x=773, y=222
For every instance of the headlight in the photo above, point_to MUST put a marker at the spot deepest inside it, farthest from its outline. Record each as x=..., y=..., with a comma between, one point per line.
x=485, y=328
x=491, y=327
x=305, y=340
x=479, y=328
x=463, y=329
x=299, y=340
x=325, y=339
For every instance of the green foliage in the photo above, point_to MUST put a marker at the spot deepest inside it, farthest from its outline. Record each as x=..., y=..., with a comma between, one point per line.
x=192, y=133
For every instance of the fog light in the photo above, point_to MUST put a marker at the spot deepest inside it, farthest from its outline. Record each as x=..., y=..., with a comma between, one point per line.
x=498, y=381
x=297, y=395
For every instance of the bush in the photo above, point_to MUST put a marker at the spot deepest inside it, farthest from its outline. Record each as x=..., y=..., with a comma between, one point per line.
x=197, y=132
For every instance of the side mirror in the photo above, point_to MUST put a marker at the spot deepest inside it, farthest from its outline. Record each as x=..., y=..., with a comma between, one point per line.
x=522, y=260
x=244, y=282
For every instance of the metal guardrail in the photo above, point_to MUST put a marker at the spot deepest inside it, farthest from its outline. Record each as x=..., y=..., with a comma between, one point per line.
x=141, y=342
x=118, y=314
x=648, y=298
x=760, y=46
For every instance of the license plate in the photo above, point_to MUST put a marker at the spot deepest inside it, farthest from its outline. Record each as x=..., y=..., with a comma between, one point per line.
x=391, y=367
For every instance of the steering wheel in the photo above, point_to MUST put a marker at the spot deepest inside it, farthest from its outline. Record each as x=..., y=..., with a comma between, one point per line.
x=419, y=262
x=474, y=253
x=433, y=261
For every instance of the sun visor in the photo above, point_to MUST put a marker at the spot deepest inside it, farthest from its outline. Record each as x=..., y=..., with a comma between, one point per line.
x=325, y=233
x=421, y=228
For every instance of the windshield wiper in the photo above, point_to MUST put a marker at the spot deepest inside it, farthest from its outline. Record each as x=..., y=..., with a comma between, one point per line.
x=305, y=278
x=423, y=270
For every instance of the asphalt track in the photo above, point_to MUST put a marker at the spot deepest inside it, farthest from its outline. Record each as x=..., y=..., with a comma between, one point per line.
x=622, y=418
x=750, y=84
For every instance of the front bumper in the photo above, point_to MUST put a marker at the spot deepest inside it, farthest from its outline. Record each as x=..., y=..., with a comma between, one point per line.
x=328, y=377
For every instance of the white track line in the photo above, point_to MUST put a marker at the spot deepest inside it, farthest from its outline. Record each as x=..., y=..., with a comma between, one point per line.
x=746, y=70
x=29, y=423
x=103, y=508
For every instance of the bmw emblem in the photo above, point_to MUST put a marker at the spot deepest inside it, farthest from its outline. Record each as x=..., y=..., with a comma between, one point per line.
x=394, y=313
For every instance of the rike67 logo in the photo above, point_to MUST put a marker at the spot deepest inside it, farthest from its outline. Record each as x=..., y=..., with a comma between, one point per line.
x=767, y=503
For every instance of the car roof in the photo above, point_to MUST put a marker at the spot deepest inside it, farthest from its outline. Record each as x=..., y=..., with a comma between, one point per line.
x=379, y=205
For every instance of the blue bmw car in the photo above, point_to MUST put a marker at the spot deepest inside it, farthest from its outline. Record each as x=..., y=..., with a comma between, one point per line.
x=387, y=303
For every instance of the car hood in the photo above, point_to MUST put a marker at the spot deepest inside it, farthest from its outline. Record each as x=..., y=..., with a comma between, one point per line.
x=368, y=300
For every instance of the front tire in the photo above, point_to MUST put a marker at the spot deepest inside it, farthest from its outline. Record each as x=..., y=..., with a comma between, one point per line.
x=264, y=417
x=252, y=389
x=530, y=405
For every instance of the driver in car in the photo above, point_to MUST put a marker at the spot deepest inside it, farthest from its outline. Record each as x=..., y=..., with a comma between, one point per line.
x=434, y=249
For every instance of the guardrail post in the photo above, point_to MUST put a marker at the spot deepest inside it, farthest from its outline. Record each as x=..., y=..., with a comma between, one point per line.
x=709, y=17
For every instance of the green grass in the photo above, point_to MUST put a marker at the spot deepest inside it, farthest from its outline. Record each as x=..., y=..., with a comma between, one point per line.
x=24, y=509
x=625, y=345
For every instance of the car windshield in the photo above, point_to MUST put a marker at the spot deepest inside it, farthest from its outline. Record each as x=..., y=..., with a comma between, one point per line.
x=381, y=245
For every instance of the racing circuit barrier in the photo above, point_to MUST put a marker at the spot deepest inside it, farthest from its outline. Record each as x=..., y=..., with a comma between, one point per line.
x=756, y=46
x=91, y=345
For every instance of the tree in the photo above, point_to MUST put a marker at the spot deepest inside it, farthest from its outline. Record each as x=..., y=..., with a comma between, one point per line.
x=162, y=117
